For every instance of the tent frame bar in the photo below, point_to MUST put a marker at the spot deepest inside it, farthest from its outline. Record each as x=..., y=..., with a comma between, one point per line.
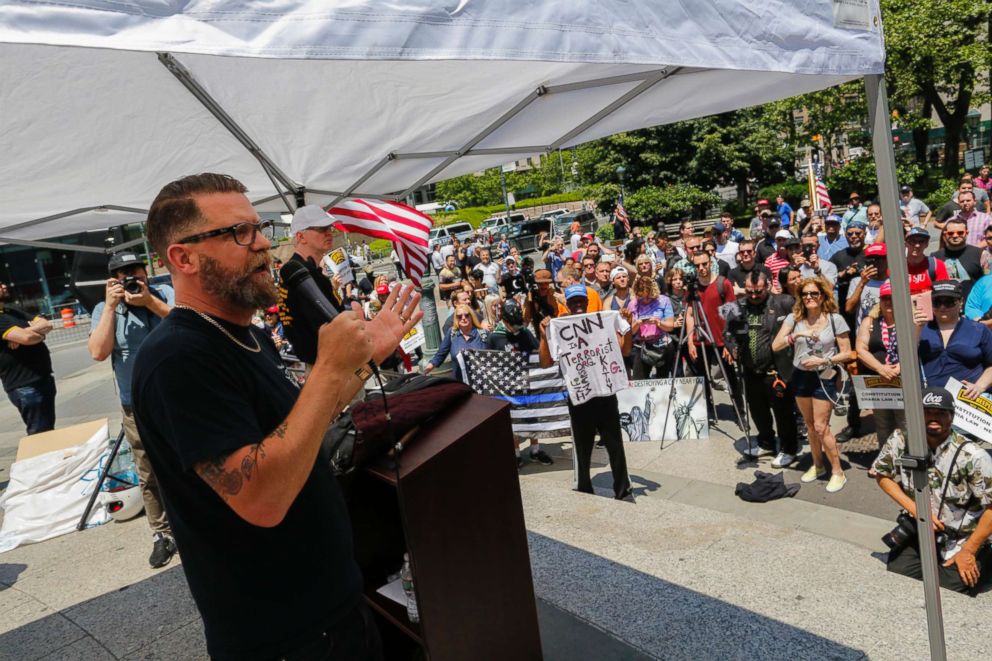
x=273, y=171
x=615, y=105
x=49, y=245
x=73, y=212
x=361, y=180
x=912, y=388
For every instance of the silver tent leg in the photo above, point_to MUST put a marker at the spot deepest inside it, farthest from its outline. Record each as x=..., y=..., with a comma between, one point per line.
x=885, y=163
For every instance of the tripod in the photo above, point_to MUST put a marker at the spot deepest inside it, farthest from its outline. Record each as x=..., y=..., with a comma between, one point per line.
x=703, y=334
x=104, y=474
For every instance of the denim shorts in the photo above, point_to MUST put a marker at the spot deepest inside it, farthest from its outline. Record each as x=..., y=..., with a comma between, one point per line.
x=807, y=383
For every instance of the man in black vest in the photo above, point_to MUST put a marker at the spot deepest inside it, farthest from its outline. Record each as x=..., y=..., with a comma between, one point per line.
x=766, y=375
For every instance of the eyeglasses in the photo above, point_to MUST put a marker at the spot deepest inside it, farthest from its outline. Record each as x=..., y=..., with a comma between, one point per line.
x=322, y=230
x=917, y=241
x=753, y=292
x=855, y=233
x=694, y=248
x=811, y=294
x=463, y=315
x=945, y=302
x=243, y=233
x=957, y=233
x=745, y=252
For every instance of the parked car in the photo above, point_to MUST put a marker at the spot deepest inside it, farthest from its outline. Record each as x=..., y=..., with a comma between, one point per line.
x=442, y=235
x=524, y=235
x=586, y=219
x=497, y=224
x=554, y=213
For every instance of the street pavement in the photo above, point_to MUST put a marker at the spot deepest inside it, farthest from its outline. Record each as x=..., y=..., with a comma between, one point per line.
x=687, y=572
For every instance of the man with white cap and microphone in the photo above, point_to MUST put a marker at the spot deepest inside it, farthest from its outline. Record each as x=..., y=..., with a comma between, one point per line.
x=311, y=230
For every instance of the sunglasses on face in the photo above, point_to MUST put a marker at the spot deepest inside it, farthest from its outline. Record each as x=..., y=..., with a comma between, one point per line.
x=463, y=315
x=955, y=233
x=745, y=252
x=855, y=233
x=811, y=294
x=945, y=302
x=694, y=248
x=753, y=292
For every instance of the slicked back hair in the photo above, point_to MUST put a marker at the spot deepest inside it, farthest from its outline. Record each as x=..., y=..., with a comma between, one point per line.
x=174, y=212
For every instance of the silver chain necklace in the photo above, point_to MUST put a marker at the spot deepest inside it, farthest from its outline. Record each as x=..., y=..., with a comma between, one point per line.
x=213, y=322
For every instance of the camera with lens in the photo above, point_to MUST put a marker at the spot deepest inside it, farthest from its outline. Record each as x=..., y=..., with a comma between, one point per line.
x=690, y=280
x=131, y=284
x=905, y=532
x=807, y=250
x=527, y=273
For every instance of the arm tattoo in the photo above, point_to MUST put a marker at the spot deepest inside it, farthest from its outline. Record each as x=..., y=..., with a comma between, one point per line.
x=228, y=482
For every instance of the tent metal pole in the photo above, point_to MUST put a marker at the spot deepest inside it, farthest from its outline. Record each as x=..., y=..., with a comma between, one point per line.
x=371, y=196
x=129, y=244
x=73, y=212
x=49, y=245
x=885, y=163
x=479, y=137
x=184, y=76
x=615, y=105
x=348, y=192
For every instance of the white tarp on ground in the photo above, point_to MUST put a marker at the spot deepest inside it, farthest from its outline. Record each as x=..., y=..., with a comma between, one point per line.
x=327, y=89
x=48, y=493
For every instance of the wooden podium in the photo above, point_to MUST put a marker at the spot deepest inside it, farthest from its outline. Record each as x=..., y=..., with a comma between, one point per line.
x=455, y=505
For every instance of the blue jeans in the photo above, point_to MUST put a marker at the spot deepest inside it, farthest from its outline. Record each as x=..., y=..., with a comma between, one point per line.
x=36, y=404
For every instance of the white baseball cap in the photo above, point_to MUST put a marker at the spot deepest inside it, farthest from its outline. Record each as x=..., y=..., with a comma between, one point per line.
x=309, y=216
x=783, y=234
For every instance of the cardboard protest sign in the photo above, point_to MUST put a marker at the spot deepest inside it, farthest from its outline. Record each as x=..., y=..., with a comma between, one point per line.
x=643, y=409
x=337, y=262
x=414, y=338
x=973, y=416
x=587, y=350
x=874, y=392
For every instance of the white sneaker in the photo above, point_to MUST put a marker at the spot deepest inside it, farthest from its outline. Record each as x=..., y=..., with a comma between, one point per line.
x=783, y=460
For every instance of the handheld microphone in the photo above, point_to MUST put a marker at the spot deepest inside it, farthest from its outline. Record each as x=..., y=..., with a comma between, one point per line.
x=296, y=277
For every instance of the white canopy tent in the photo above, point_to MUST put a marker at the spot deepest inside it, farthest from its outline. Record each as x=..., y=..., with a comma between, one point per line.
x=102, y=102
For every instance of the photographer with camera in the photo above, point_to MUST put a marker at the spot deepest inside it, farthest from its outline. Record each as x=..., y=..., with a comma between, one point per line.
x=120, y=323
x=810, y=264
x=960, y=474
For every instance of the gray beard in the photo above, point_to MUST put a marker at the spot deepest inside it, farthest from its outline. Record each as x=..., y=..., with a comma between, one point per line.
x=240, y=289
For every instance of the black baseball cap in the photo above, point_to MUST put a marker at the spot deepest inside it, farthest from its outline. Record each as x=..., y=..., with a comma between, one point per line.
x=938, y=398
x=950, y=288
x=123, y=260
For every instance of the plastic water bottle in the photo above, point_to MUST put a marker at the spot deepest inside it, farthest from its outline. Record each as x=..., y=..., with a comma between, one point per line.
x=406, y=575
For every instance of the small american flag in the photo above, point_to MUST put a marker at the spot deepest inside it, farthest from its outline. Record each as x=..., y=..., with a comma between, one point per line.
x=621, y=213
x=821, y=196
x=537, y=396
x=407, y=229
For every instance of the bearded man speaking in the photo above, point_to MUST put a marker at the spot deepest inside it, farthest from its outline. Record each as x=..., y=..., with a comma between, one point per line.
x=260, y=523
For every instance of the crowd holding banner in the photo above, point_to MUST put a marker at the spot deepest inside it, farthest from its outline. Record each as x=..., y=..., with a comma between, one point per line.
x=790, y=360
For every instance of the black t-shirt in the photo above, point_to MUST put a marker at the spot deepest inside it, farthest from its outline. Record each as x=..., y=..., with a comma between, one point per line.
x=513, y=284
x=26, y=365
x=739, y=276
x=964, y=265
x=197, y=396
x=502, y=339
x=300, y=320
x=946, y=212
x=842, y=260
x=763, y=250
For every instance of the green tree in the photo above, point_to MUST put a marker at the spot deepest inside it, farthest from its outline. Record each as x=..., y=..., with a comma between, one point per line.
x=669, y=202
x=735, y=147
x=939, y=51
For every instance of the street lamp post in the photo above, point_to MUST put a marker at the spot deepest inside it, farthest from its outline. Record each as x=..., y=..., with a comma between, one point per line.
x=620, y=172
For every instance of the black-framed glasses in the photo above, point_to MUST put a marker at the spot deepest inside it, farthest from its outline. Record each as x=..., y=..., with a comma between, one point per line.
x=243, y=233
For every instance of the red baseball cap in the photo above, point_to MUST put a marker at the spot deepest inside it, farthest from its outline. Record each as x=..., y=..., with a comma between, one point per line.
x=272, y=310
x=876, y=250
x=382, y=290
x=885, y=289
x=765, y=202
